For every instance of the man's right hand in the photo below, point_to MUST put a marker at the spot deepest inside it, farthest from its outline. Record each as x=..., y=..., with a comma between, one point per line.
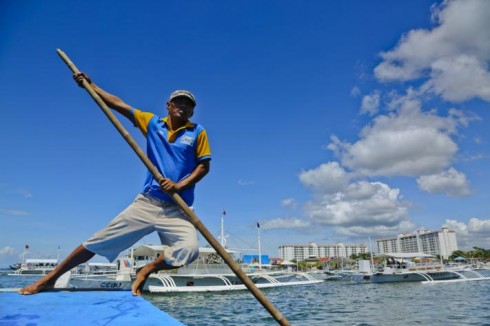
x=79, y=77
x=112, y=101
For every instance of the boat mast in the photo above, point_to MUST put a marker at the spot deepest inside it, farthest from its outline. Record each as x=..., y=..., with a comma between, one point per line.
x=223, y=241
x=372, y=259
x=26, y=248
x=260, y=252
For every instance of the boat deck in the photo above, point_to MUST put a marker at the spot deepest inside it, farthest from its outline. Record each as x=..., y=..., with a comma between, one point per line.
x=81, y=308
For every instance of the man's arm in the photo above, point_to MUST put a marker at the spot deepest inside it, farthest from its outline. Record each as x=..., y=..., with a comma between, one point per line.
x=112, y=101
x=199, y=172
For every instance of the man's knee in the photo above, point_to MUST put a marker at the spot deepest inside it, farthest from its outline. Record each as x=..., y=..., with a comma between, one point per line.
x=179, y=257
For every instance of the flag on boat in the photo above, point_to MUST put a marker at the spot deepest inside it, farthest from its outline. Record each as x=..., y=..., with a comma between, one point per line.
x=27, y=246
x=258, y=225
x=224, y=212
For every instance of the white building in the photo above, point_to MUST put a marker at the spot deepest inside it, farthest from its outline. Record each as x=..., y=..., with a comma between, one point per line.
x=313, y=250
x=442, y=242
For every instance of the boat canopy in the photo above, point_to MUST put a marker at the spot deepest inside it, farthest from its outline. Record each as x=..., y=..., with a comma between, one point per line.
x=41, y=261
x=405, y=255
x=151, y=250
x=102, y=264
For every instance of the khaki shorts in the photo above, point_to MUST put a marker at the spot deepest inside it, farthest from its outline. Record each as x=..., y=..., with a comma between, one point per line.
x=145, y=215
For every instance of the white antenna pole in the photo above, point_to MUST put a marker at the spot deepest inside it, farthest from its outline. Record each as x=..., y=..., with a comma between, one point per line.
x=26, y=248
x=132, y=262
x=260, y=252
x=223, y=242
x=372, y=259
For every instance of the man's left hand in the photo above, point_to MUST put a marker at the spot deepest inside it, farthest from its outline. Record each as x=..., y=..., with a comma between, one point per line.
x=169, y=186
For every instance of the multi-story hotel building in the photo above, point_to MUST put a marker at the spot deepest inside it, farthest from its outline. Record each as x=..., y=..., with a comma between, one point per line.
x=442, y=242
x=313, y=250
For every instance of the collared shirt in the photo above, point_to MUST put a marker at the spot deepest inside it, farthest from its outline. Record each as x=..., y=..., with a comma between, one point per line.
x=175, y=153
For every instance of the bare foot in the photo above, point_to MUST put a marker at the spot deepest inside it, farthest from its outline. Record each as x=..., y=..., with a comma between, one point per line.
x=35, y=288
x=138, y=284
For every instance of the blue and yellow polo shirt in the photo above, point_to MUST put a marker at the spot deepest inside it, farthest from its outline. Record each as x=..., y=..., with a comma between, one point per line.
x=175, y=153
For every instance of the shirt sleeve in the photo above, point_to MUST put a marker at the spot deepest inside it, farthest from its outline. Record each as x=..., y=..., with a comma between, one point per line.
x=141, y=120
x=203, y=151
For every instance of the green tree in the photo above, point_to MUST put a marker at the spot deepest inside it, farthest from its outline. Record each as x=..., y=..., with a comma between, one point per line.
x=362, y=255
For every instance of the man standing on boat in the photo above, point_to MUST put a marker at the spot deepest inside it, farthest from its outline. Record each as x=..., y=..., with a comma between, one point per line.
x=179, y=149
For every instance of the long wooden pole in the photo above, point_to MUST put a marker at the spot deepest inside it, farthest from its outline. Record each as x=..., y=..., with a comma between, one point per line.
x=180, y=202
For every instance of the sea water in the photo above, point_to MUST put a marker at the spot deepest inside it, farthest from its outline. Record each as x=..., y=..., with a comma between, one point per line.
x=328, y=303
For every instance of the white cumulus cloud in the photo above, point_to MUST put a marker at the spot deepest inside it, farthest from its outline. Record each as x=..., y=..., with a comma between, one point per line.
x=8, y=255
x=404, y=142
x=362, y=204
x=452, y=57
x=370, y=103
x=476, y=233
x=353, y=207
x=7, y=251
x=328, y=177
x=450, y=182
x=284, y=223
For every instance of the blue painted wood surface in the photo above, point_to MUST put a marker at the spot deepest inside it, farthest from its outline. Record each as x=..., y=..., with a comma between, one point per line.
x=80, y=308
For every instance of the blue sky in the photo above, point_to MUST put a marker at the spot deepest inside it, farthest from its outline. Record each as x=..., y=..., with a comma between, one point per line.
x=329, y=121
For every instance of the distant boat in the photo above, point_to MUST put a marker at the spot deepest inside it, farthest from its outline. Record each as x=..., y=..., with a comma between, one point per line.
x=208, y=273
x=90, y=269
x=401, y=268
x=15, y=266
x=35, y=267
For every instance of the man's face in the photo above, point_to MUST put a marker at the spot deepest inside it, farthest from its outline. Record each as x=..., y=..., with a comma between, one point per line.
x=181, y=108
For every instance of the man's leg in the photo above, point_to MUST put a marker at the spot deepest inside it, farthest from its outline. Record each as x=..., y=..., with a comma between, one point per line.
x=79, y=256
x=180, y=238
x=153, y=267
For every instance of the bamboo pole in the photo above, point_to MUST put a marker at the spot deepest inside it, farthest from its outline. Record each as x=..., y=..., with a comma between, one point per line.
x=178, y=200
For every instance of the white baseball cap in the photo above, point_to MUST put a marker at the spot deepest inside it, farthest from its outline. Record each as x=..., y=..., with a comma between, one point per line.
x=181, y=92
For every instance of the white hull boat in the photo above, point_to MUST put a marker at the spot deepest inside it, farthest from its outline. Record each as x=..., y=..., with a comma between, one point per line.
x=401, y=269
x=403, y=276
x=206, y=274
x=225, y=282
x=35, y=267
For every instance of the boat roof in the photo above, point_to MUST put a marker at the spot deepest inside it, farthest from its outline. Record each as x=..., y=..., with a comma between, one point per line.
x=102, y=264
x=44, y=261
x=150, y=250
x=405, y=255
x=259, y=265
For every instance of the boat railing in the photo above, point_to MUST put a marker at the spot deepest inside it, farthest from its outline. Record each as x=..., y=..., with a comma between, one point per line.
x=416, y=266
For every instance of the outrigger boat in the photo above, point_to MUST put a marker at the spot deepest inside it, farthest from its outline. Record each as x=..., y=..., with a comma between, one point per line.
x=207, y=274
x=35, y=267
x=401, y=267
